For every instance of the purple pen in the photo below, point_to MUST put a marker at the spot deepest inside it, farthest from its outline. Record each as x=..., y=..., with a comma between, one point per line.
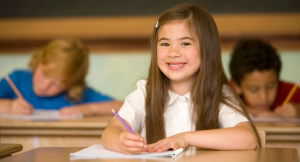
x=122, y=121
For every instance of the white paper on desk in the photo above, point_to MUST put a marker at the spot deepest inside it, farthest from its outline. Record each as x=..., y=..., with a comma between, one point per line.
x=98, y=151
x=274, y=119
x=41, y=115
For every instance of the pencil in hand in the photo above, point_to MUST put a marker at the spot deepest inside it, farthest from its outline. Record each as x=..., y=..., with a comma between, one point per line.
x=12, y=85
x=122, y=121
x=27, y=109
x=287, y=99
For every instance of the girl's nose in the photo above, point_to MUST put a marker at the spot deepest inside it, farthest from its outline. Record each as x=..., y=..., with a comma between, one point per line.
x=174, y=52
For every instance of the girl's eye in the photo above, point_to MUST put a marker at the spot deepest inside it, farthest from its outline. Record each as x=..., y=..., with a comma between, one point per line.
x=164, y=44
x=186, y=44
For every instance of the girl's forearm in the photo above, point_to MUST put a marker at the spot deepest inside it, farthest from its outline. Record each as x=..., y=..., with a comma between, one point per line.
x=240, y=137
x=110, y=138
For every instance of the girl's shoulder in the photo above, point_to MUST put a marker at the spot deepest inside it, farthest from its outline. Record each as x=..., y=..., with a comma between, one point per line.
x=141, y=83
x=140, y=92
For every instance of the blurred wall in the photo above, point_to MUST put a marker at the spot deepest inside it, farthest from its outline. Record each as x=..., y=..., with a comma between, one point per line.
x=118, y=32
x=115, y=74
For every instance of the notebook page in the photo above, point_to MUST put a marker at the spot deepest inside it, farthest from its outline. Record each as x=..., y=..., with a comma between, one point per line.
x=41, y=115
x=98, y=151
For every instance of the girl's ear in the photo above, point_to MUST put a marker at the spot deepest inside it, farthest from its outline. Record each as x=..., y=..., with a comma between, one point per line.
x=236, y=87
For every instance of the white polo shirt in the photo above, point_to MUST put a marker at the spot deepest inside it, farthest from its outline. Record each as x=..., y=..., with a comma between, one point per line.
x=177, y=115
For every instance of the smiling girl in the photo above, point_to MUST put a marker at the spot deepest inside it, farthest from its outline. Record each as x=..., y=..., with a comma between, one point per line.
x=186, y=100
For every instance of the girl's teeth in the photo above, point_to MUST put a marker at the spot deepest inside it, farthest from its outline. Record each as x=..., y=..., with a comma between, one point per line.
x=176, y=65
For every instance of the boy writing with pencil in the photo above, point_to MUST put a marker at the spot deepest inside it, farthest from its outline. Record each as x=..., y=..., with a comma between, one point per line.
x=56, y=80
x=255, y=69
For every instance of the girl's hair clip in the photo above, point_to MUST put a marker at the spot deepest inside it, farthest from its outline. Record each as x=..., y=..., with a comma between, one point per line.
x=156, y=25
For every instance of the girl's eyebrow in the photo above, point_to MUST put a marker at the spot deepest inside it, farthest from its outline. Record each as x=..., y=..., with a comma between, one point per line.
x=183, y=38
x=161, y=39
x=187, y=38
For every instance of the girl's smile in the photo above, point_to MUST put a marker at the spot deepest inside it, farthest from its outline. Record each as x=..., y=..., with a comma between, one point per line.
x=178, y=54
x=176, y=66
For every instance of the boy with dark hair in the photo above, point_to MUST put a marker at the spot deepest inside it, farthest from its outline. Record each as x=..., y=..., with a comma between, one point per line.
x=255, y=69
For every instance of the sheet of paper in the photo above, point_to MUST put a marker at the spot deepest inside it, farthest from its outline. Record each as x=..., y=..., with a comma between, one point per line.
x=274, y=119
x=41, y=115
x=98, y=151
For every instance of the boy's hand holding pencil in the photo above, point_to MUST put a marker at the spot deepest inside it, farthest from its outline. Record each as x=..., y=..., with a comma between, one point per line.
x=289, y=110
x=19, y=105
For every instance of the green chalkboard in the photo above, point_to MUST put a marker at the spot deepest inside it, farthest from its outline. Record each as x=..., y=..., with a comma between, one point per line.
x=70, y=8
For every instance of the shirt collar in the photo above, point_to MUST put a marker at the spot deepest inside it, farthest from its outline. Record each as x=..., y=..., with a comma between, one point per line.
x=174, y=96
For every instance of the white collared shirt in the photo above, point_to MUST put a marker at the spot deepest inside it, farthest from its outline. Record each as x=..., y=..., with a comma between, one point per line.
x=177, y=115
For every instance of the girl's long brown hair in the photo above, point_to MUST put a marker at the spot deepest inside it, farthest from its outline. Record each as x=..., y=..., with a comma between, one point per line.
x=210, y=82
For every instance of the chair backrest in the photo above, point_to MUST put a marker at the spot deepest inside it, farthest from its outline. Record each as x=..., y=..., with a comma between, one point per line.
x=262, y=136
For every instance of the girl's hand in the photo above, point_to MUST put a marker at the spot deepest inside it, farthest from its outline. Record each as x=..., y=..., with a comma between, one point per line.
x=132, y=143
x=21, y=106
x=288, y=111
x=175, y=142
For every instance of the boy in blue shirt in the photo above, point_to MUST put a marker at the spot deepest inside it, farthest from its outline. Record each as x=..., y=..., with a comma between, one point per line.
x=56, y=81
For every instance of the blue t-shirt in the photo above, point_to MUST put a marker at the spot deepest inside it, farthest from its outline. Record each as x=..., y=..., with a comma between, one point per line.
x=23, y=81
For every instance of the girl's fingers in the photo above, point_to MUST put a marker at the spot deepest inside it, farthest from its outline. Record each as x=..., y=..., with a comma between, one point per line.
x=134, y=137
x=175, y=147
x=163, y=148
x=131, y=143
x=160, y=146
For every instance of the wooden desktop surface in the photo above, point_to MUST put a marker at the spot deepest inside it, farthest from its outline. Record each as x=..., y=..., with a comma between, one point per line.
x=87, y=131
x=64, y=133
x=7, y=149
x=281, y=134
x=51, y=154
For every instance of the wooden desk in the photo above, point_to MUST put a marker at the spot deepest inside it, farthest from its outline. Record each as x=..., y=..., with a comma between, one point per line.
x=65, y=133
x=51, y=154
x=281, y=135
x=87, y=131
x=9, y=149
